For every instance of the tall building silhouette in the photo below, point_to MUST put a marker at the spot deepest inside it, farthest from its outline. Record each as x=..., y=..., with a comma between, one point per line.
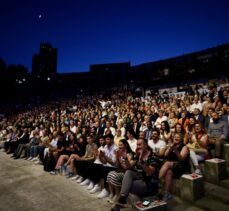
x=44, y=64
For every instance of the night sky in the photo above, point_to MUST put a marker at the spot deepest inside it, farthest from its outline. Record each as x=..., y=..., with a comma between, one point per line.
x=107, y=31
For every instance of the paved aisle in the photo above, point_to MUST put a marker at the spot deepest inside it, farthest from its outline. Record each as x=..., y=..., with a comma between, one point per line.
x=25, y=186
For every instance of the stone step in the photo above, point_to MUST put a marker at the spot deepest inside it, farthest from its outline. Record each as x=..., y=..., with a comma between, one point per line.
x=217, y=192
x=207, y=204
x=215, y=170
x=225, y=183
x=192, y=187
x=177, y=204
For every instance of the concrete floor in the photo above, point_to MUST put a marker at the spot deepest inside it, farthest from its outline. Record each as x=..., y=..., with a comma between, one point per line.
x=25, y=186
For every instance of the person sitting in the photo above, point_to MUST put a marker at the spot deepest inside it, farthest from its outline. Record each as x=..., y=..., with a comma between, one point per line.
x=132, y=141
x=69, y=148
x=156, y=144
x=82, y=162
x=177, y=156
x=118, y=137
x=80, y=148
x=102, y=166
x=92, y=171
x=108, y=158
x=142, y=178
x=197, y=145
x=184, y=120
x=124, y=161
x=165, y=133
x=218, y=134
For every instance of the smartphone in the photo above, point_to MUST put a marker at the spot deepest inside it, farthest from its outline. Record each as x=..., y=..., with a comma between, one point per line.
x=146, y=203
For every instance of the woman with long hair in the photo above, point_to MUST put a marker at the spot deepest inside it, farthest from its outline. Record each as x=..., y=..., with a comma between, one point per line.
x=165, y=133
x=177, y=156
x=124, y=161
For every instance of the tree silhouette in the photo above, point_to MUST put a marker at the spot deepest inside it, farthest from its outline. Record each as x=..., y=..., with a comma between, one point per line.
x=3, y=66
x=17, y=71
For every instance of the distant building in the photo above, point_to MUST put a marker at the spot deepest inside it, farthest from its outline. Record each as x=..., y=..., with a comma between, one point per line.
x=176, y=71
x=44, y=64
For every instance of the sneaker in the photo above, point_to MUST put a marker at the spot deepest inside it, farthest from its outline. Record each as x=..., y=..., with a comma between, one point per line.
x=75, y=177
x=70, y=174
x=79, y=180
x=35, y=159
x=53, y=172
x=30, y=158
x=96, y=189
x=104, y=193
x=198, y=171
x=85, y=182
x=38, y=162
x=167, y=196
x=90, y=186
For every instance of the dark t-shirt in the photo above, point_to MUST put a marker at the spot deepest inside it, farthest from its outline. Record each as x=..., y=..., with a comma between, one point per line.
x=151, y=161
x=179, y=167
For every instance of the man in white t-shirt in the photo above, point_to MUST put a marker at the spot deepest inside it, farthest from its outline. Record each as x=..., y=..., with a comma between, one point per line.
x=157, y=146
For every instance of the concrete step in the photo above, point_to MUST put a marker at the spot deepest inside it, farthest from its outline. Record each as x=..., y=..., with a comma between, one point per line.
x=215, y=170
x=207, y=204
x=177, y=204
x=217, y=193
x=225, y=183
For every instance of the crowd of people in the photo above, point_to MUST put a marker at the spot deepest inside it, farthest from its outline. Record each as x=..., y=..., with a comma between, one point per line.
x=122, y=143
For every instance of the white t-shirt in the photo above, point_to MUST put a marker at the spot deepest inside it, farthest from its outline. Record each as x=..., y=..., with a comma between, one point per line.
x=97, y=160
x=53, y=143
x=160, y=120
x=133, y=144
x=196, y=105
x=156, y=146
x=73, y=129
x=110, y=153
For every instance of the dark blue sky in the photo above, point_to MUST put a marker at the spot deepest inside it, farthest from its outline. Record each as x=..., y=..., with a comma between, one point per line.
x=106, y=31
